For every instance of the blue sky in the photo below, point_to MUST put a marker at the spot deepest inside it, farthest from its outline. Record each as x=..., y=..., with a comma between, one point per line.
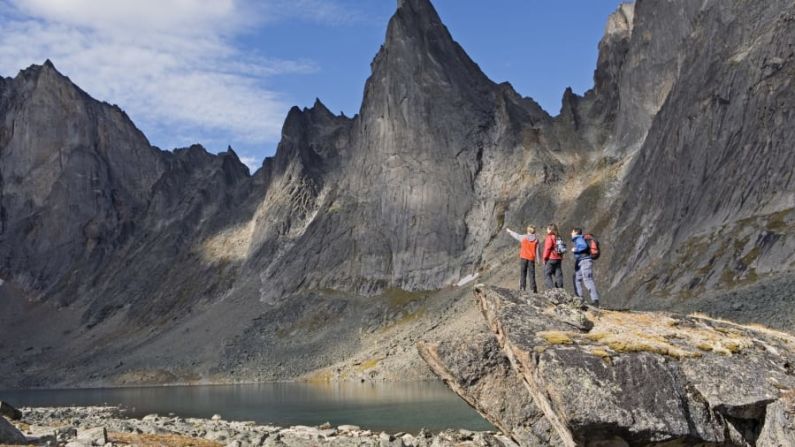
x=226, y=72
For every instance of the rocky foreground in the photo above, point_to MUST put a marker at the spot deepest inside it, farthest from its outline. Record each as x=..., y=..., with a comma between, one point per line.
x=107, y=426
x=550, y=371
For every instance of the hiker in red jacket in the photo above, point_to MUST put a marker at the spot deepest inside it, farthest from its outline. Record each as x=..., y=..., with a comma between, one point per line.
x=528, y=253
x=554, y=248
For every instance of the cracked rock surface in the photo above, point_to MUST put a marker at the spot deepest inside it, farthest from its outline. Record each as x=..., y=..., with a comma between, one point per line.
x=623, y=378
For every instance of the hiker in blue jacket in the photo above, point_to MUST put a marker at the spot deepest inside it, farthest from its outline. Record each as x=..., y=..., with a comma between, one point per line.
x=583, y=267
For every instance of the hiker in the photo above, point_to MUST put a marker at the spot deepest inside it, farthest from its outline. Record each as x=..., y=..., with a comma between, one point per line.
x=554, y=249
x=583, y=264
x=528, y=253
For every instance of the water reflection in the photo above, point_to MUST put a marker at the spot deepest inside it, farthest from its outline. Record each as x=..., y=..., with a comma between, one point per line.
x=390, y=407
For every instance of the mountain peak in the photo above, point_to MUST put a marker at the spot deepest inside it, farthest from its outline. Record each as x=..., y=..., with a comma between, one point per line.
x=420, y=60
x=417, y=5
x=416, y=18
x=48, y=75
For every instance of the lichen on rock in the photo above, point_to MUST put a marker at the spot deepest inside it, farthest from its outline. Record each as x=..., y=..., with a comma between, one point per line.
x=621, y=377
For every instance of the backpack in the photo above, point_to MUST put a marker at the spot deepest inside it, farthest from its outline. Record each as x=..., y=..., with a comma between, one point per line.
x=560, y=246
x=593, y=246
x=580, y=245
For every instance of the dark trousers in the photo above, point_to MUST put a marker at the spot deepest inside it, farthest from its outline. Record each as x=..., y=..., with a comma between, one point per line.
x=527, y=267
x=553, y=274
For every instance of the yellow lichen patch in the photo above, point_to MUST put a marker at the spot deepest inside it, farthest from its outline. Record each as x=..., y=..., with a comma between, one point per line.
x=648, y=345
x=738, y=331
x=600, y=353
x=632, y=320
x=732, y=346
x=616, y=332
x=663, y=334
x=772, y=332
x=142, y=440
x=556, y=337
x=596, y=336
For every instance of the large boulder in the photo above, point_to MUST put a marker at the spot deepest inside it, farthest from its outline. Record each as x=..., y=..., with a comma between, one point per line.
x=602, y=377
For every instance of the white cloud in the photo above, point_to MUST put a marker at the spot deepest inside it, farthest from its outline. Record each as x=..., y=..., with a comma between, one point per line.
x=170, y=16
x=171, y=64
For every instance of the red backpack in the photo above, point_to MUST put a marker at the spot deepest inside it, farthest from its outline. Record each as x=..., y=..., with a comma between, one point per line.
x=593, y=246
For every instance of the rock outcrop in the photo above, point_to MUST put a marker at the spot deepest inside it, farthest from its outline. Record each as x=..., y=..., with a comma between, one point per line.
x=602, y=377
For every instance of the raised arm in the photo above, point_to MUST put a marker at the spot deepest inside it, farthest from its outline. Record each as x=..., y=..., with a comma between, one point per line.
x=514, y=234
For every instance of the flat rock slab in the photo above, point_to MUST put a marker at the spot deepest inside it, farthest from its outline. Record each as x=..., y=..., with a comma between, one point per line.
x=600, y=377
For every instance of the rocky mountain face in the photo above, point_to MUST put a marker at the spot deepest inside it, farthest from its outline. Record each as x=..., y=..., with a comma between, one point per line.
x=125, y=263
x=723, y=136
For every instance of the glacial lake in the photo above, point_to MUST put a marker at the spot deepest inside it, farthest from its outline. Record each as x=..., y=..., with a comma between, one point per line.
x=391, y=407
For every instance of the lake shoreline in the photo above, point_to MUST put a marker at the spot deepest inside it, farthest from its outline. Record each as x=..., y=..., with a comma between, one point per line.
x=106, y=386
x=382, y=407
x=109, y=426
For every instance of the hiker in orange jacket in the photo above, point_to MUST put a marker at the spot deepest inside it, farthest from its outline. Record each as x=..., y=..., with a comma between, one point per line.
x=554, y=248
x=528, y=253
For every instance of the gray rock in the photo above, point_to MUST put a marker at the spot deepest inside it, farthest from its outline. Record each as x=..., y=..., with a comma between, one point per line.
x=93, y=436
x=9, y=411
x=779, y=428
x=66, y=432
x=9, y=434
x=703, y=380
x=79, y=444
x=218, y=435
x=478, y=371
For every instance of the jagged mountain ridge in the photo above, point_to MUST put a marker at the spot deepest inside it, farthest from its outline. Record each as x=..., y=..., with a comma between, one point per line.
x=412, y=193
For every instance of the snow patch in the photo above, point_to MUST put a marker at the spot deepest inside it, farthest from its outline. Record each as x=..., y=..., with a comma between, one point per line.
x=467, y=279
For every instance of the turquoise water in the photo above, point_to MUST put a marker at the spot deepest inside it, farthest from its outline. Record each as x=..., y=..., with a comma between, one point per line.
x=389, y=406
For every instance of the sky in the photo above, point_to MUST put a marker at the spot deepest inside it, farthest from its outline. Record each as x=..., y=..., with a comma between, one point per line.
x=226, y=72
